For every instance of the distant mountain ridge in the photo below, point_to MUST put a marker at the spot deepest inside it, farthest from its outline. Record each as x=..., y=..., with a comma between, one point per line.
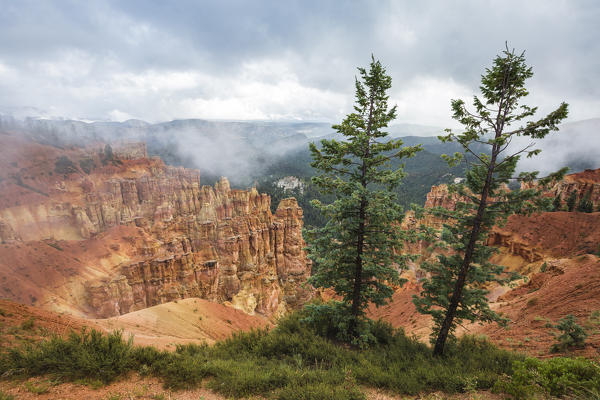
x=245, y=150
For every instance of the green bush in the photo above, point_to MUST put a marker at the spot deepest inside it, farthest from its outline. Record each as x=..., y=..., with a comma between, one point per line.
x=290, y=361
x=87, y=355
x=319, y=391
x=559, y=376
x=572, y=335
x=28, y=324
x=332, y=320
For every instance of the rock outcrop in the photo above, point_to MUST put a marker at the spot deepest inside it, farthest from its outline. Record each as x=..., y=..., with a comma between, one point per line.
x=216, y=243
x=233, y=250
x=586, y=183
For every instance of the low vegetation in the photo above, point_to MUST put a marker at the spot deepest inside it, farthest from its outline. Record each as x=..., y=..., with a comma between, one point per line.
x=558, y=377
x=293, y=362
x=571, y=336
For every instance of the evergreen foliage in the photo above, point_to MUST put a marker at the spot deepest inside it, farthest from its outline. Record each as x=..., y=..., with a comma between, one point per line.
x=455, y=289
x=572, y=335
x=576, y=378
x=357, y=252
x=557, y=203
x=585, y=204
x=571, y=201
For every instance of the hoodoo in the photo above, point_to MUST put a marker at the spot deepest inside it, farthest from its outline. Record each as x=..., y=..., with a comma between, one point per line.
x=102, y=232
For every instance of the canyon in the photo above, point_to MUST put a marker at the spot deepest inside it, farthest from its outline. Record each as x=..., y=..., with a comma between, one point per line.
x=556, y=253
x=104, y=230
x=119, y=240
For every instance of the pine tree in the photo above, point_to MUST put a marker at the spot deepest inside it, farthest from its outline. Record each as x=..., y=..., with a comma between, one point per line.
x=585, y=204
x=571, y=201
x=357, y=253
x=456, y=287
x=557, y=203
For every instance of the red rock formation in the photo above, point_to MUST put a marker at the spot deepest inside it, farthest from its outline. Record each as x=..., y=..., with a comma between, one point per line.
x=198, y=241
x=556, y=251
x=582, y=183
x=439, y=196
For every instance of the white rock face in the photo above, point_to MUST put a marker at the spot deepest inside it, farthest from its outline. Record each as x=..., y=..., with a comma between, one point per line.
x=290, y=183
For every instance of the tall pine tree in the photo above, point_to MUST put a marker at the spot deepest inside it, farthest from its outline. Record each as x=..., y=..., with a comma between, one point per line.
x=455, y=289
x=357, y=253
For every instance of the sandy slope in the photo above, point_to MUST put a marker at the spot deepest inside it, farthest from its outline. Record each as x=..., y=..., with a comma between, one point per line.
x=189, y=320
x=163, y=326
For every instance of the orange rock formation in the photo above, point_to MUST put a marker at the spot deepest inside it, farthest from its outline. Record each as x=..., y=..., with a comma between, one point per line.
x=133, y=233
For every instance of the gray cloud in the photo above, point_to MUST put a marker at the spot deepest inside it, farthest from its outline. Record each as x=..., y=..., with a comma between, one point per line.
x=157, y=60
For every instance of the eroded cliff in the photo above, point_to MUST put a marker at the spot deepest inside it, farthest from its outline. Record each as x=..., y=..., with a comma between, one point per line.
x=122, y=232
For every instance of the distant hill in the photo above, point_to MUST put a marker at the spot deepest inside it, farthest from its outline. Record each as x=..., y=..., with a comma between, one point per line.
x=262, y=152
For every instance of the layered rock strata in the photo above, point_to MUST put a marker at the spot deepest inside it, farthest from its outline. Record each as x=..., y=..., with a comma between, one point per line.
x=217, y=243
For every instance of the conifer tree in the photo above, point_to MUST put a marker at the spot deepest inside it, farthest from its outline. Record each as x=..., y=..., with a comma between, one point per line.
x=357, y=252
x=571, y=201
x=556, y=203
x=585, y=204
x=456, y=287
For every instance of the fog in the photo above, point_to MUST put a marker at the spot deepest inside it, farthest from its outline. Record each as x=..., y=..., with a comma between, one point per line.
x=575, y=144
x=246, y=150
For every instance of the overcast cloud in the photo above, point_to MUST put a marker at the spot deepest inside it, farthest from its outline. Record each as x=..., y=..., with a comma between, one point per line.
x=284, y=60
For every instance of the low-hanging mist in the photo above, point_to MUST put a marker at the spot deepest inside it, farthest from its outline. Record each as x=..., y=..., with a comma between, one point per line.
x=245, y=151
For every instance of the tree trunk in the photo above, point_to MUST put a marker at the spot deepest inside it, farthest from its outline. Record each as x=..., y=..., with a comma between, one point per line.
x=358, y=269
x=355, y=310
x=440, y=342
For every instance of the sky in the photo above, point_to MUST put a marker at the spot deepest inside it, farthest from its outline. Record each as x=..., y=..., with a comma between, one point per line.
x=285, y=60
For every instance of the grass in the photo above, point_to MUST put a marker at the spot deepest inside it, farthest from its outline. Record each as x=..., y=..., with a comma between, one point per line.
x=41, y=388
x=289, y=362
x=5, y=396
x=28, y=324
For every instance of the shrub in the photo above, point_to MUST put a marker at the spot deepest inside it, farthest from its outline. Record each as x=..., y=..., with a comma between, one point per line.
x=572, y=336
x=86, y=165
x=28, y=324
x=571, y=201
x=64, y=166
x=86, y=355
x=290, y=361
x=319, y=391
x=37, y=389
x=332, y=320
x=554, y=377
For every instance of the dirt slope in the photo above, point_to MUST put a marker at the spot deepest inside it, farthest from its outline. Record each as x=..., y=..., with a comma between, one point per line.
x=184, y=321
x=163, y=326
x=559, y=256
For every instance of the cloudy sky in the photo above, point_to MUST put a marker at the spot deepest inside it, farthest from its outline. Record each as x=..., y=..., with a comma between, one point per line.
x=284, y=60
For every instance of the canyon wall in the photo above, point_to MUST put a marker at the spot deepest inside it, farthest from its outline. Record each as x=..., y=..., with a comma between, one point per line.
x=543, y=235
x=582, y=183
x=184, y=239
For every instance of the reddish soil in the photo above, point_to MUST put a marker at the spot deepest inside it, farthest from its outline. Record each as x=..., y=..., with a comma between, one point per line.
x=49, y=273
x=587, y=176
x=21, y=324
x=569, y=286
x=401, y=313
x=566, y=281
x=163, y=326
x=558, y=234
x=185, y=321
